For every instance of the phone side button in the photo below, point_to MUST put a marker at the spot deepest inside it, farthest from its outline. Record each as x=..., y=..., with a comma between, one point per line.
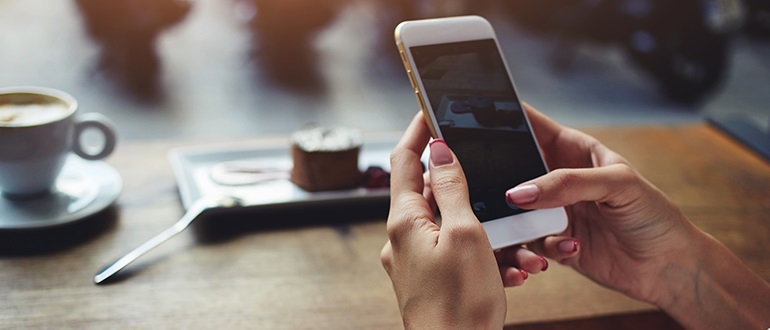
x=411, y=79
x=419, y=100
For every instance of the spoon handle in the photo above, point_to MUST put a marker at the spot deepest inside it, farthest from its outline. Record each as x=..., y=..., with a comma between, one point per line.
x=193, y=212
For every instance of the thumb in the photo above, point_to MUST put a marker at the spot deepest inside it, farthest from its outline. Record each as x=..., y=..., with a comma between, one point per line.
x=449, y=186
x=614, y=185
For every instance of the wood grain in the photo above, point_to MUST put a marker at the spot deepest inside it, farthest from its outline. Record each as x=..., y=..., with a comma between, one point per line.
x=328, y=276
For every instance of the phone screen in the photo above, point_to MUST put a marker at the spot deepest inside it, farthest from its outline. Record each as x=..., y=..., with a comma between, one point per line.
x=481, y=119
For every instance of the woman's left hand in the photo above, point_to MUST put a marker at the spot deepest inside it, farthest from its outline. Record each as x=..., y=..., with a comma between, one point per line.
x=444, y=276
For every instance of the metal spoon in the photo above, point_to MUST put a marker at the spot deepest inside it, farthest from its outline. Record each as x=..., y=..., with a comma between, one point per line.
x=196, y=209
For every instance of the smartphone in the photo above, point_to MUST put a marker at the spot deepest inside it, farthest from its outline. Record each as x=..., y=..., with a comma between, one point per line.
x=466, y=93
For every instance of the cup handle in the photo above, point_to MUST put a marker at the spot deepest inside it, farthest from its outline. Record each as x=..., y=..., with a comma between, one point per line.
x=101, y=123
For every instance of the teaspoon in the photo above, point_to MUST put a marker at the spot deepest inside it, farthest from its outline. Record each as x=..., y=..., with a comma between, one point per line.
x=196, y=209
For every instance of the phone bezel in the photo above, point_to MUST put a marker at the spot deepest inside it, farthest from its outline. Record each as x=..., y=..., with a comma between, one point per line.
x=502, y=232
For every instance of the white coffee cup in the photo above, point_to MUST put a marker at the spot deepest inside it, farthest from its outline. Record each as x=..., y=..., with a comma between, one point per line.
x=38, y=130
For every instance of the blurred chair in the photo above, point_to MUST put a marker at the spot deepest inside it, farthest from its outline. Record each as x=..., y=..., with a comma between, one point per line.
x=284, y=31
x=126, y=31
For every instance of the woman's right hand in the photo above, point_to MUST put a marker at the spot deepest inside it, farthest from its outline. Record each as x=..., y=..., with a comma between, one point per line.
x=625, y=234
x=627, y=229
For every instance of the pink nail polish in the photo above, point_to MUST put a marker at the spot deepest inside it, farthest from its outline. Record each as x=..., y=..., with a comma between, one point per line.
x=568, y=246
x=435, y=141
x=523, y=194
x=440, y=154
x=545, y=264
x=524, y=274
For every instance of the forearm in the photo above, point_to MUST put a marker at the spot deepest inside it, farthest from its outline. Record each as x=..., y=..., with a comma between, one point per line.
x=458, y=312
x=715, y=290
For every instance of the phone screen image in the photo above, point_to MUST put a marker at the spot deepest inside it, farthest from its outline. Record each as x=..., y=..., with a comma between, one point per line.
x=480, y=117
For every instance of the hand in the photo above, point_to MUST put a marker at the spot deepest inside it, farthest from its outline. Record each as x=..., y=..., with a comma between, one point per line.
x=628, y=231
x=444, y=276
x=632, y=238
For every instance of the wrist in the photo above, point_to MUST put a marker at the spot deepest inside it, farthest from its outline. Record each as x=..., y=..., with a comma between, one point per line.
x=714, y=289
x=437, y=315
x=679, y=281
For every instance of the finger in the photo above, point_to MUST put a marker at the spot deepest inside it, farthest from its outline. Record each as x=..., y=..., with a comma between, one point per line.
x=560, y=146
x=603, y=156
x=512, y=276
x=564, y=147
x=546, y=130
x=406, y=168
x=559, y=248
x=408, y=208
x=615, y=185
x=521, y=258
x=449, y=186
x=427, y=193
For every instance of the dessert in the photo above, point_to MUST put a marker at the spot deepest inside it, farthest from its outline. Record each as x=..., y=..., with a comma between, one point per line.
x=326, y=158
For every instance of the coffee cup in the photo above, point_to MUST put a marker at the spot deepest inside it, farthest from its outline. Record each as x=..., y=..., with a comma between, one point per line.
x=39, y=129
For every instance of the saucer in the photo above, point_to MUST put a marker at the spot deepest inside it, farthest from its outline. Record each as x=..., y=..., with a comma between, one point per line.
x=83, y=188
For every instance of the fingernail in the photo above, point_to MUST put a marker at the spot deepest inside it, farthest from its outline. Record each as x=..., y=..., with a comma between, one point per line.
x=568, y=246
x=524, y=274
x=523, y=194
x=439, y=153
x=545, y=264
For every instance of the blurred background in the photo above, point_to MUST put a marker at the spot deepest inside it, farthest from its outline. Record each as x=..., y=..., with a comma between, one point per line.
x=222, y=69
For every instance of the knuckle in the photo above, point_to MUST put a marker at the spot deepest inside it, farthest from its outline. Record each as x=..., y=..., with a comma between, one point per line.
x=400, y=223
x=564, y=177
x=447, y=182
x=625, y=174
x=629, y=182
x=566, y=180
x=572, y=185
x=402, y=157
x=471, y=232
x=386, y=258
x=618, y=159
x=395, y=230
x=603, y=155
x=398, y=155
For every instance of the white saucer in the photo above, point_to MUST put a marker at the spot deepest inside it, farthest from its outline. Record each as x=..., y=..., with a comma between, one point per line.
x=83, y=189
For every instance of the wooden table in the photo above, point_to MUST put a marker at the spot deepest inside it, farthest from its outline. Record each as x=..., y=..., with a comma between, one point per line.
x=329, y=276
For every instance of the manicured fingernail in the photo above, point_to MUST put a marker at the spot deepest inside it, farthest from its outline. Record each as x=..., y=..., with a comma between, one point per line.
x=545, y=264
x=523, y=194
x=439, y=153
x=568, y=246
x=524, y=274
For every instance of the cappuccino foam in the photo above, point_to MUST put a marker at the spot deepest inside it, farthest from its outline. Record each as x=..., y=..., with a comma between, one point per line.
x=31, y=114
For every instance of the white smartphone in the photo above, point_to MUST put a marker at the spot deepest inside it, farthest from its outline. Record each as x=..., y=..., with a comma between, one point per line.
x=467, y=95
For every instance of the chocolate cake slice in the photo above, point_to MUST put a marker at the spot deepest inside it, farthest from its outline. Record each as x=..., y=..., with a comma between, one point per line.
x=326, y=158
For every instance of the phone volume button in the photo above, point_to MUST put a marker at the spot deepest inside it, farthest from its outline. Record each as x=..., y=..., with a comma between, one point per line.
x=419, y=100
x=411, y=79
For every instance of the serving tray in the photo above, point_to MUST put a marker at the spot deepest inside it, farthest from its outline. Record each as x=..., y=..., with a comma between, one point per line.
x=258, y=175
